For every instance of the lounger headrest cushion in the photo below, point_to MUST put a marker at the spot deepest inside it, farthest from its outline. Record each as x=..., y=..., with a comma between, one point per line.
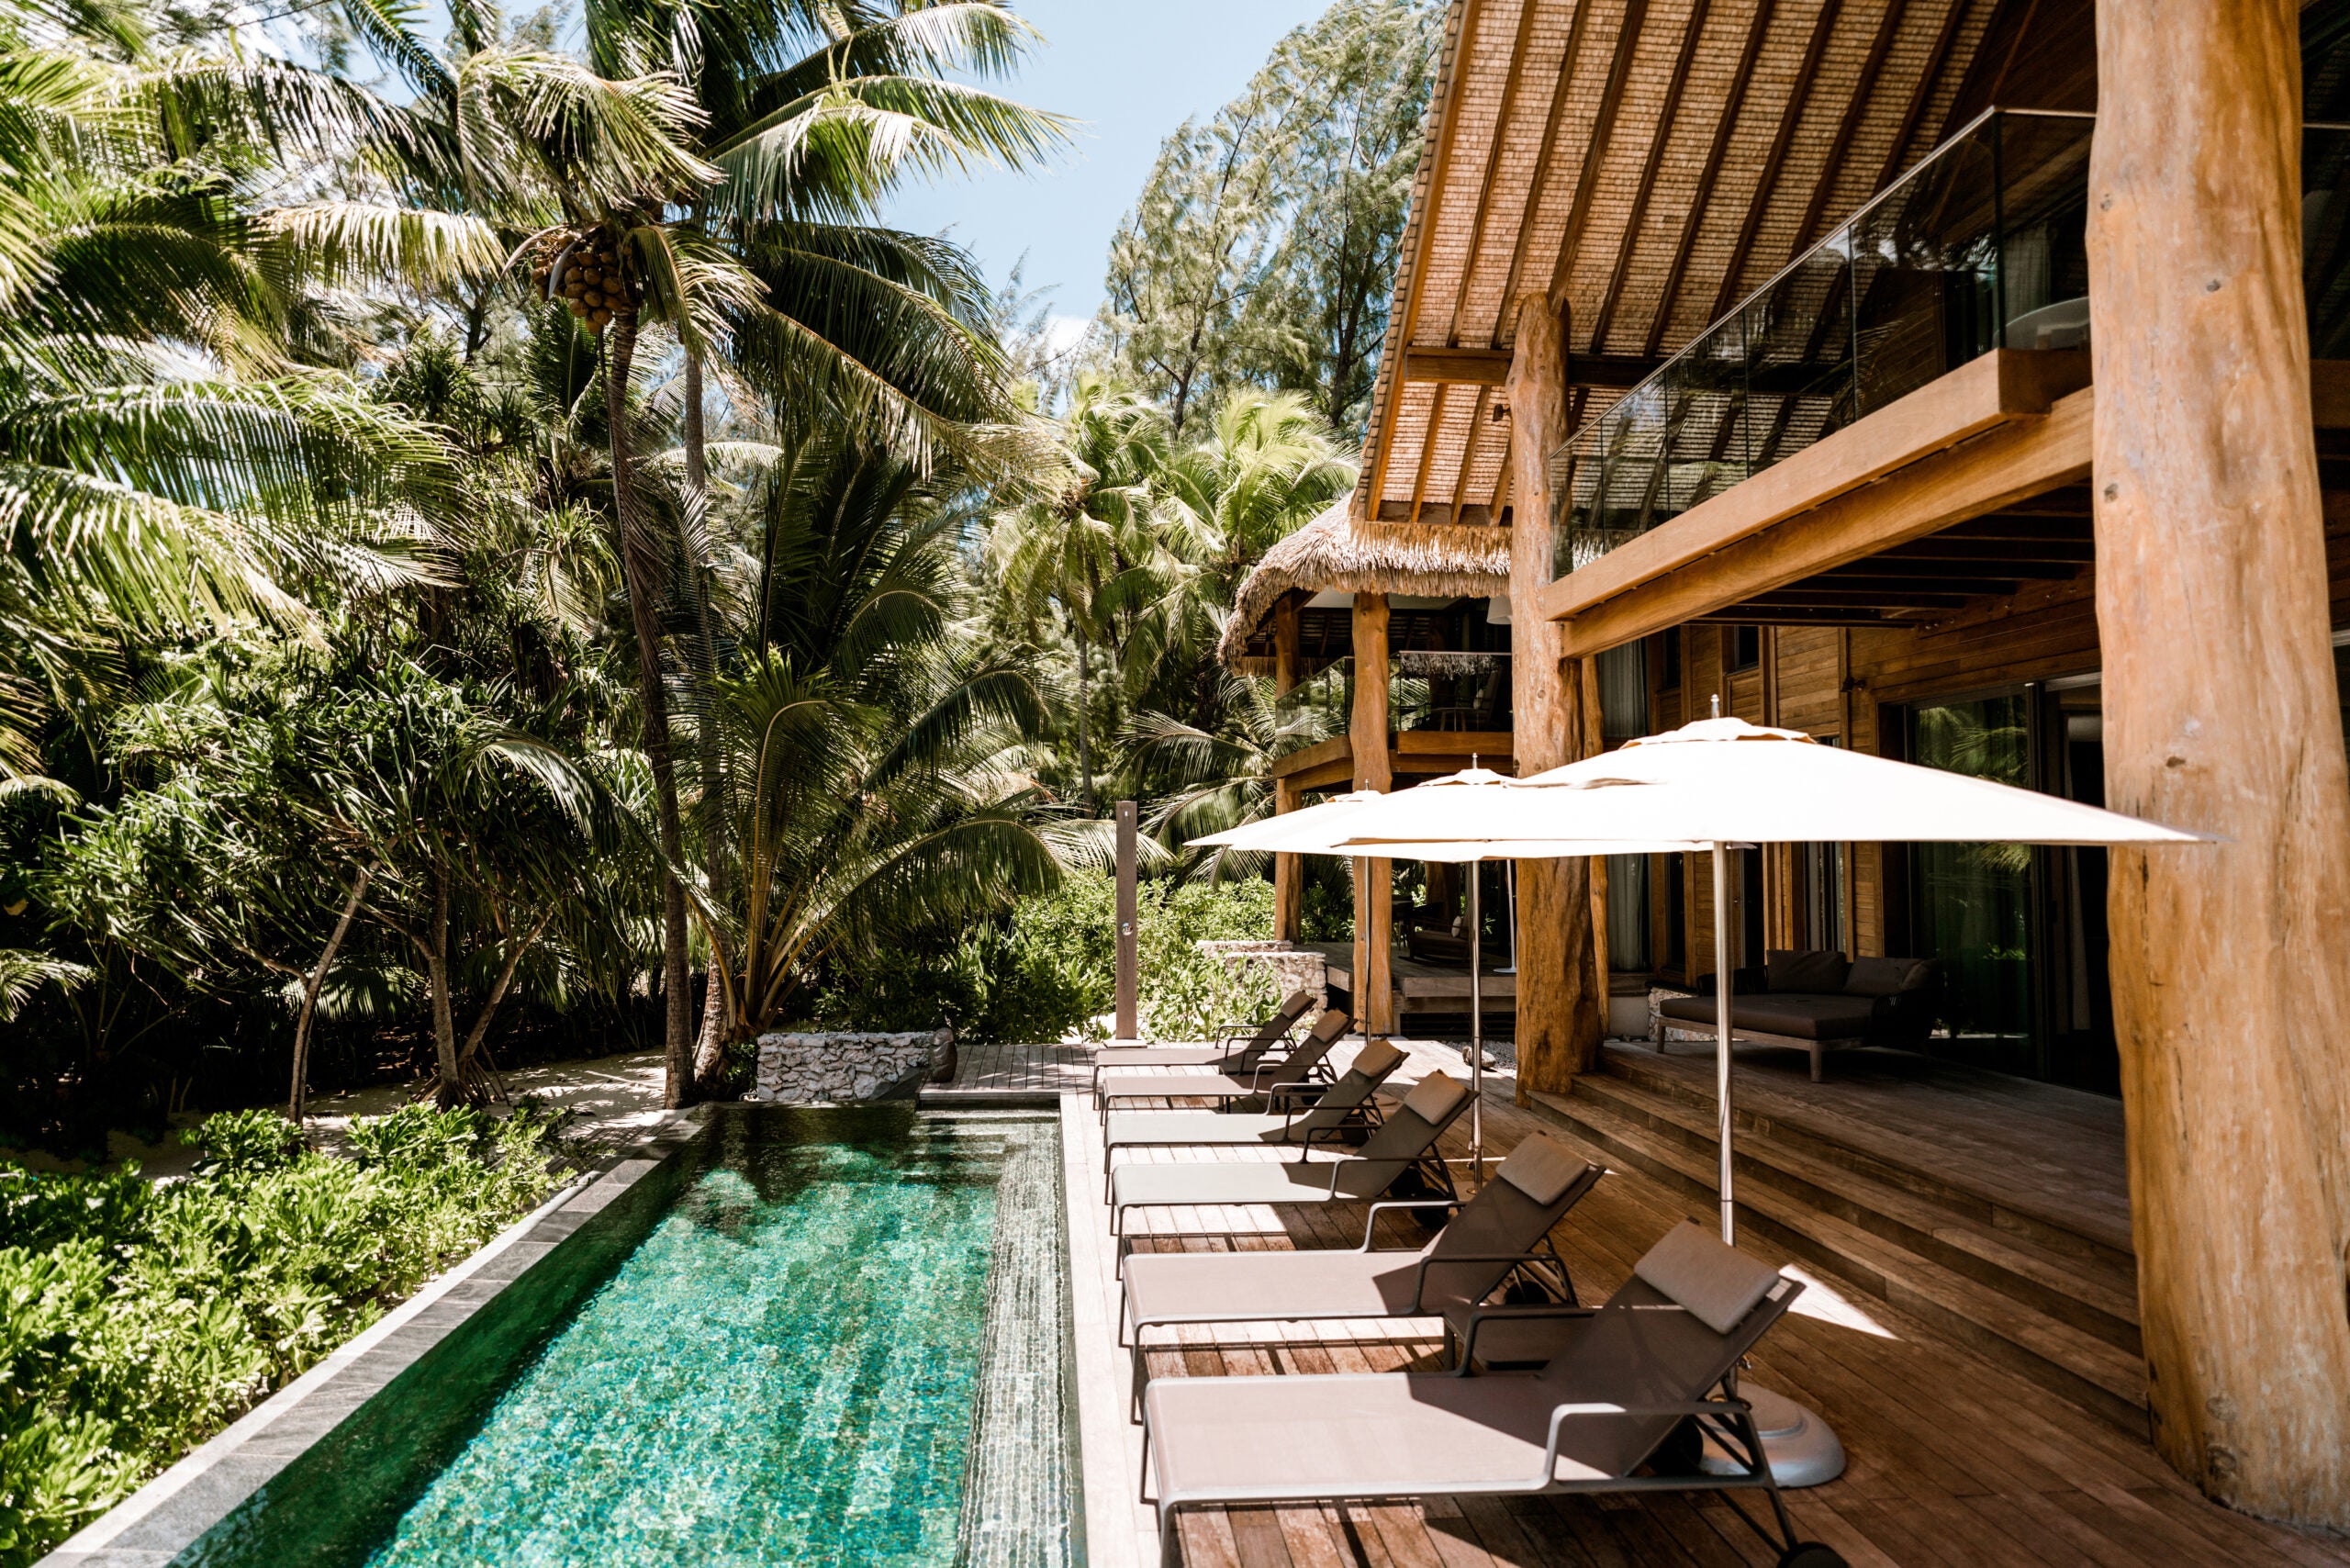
x=1433, y=1098
x=1331, y=1025
x=1375, y=1059
x=1716, y=1282
x=1540, y=1168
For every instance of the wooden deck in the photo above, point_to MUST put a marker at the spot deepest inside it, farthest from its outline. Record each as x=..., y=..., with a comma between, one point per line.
x=994, y=1076
x=2036, y=1148
x=1954, y=1460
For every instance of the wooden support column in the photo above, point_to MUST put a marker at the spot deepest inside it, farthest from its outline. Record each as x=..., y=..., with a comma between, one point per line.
x=2231, y=962
x=1374, y=879
x=1288, y=870
x=1562, y=995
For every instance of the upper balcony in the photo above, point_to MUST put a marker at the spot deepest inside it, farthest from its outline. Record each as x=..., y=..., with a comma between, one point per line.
x=1981, y=246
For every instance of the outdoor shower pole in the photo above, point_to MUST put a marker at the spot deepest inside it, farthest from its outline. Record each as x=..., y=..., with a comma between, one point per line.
x=1476, y=1027
x=1721, y=1043
x=1129, y=985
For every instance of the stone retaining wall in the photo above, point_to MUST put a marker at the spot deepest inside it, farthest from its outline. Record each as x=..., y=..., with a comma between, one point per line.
x=833, y=1068
x=1293, y=968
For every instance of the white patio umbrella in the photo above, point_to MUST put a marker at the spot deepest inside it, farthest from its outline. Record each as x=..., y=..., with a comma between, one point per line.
x=1324, y=829
x=1725, y=782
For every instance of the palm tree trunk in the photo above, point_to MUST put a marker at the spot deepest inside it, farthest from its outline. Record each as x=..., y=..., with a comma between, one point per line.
x=640, y=570
x=447, y=1089
x=1084, y=742
x=310, y=986
x=713, y=761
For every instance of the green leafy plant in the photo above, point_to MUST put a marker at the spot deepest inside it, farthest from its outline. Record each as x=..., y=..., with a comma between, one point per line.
x=137, y=1319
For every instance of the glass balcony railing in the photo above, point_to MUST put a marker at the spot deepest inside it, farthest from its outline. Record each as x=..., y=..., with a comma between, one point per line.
x=1982, y=244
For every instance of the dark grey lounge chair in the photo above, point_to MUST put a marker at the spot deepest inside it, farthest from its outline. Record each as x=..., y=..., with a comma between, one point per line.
x=1504, y=1230
x=1346, y=1105
x=1405, y=1141
x=1631, y=1372
x=1289, y=1075
x=1237, y=1049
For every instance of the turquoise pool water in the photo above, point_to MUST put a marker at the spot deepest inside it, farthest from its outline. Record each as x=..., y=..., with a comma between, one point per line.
x=790, y=1366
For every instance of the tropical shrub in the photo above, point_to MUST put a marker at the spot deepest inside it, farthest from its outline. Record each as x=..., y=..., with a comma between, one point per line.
x=137, y=1318
x=1059, y=969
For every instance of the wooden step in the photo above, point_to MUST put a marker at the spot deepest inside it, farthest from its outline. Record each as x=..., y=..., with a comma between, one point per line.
x=2076, y=1365
x=2046, y=1227
x=2088, y=1293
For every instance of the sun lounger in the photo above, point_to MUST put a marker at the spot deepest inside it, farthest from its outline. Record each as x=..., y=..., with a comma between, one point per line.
x=1291, y=1075
x=1346, y=1105
x=1238, y=1051
x=1631, y=1372
x=1405, y=1141
x=1504, y=1230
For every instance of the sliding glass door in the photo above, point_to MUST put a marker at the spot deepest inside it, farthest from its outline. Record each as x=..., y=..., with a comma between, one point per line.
x=1971, y=904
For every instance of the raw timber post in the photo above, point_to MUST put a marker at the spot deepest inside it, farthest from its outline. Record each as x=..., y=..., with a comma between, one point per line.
x=2231, y=962
x=1375, y=881
x=1288, y=870
x=1129, y=986
x=1561, y=1006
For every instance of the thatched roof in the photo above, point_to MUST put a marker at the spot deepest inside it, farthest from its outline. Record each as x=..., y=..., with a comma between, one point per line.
x=1336, y=553
x=1643, y=164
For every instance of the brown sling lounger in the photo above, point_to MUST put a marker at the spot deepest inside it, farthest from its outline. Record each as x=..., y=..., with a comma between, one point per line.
x=1344, y=1107
x=1405, y=1141
x=1291, y=1073
x=1504, y=1230
x=1663, y=1349
x=1238, y=1051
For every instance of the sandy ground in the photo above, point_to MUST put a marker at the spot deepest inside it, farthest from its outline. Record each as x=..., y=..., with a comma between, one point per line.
x=612, y=1100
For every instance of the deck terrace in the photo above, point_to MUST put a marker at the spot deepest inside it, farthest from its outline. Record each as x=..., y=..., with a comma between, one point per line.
x=1954, y=1460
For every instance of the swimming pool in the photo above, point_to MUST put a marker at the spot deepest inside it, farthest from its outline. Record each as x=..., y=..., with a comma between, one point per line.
x=824, y=1338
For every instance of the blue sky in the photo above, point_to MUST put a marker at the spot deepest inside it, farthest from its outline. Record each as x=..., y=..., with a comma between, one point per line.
x=1133, y=71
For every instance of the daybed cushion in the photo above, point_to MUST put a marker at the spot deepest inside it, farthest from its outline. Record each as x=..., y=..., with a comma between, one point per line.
x=1886, y=977
x=1716, y=1282
x=1817, y=973
x=1797, y=1017
x=1540, y=1168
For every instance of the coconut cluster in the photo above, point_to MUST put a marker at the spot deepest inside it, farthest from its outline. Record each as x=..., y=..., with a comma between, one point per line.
x=586, y=275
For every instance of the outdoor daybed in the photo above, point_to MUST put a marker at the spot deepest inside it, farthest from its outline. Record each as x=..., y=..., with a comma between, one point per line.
x=1817, y=1001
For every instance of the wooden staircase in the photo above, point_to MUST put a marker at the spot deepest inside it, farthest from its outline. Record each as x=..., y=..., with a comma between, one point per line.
x=2055, y=1305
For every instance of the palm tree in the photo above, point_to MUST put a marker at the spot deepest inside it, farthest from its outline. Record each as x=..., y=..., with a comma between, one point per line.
x=1220, y=779
x=872, y=780
x=164, y=462
x=1077, y=557
x=1267, y=466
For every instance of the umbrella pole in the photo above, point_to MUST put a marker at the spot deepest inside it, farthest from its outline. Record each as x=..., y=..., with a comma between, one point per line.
x=1722, y=977
x=1476, y=1025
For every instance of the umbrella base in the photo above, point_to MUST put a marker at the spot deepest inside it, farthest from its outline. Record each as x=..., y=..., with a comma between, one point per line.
x=1802, y=1450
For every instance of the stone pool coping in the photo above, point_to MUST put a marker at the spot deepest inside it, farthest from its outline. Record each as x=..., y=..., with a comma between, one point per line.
x=162, y=1518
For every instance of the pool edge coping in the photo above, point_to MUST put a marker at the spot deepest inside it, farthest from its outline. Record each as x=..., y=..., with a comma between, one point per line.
x=366, y=1362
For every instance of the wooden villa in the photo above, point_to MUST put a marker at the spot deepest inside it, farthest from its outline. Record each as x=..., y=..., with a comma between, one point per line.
x=1966, y=381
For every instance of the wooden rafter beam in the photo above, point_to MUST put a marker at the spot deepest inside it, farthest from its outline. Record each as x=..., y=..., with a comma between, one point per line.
x=1701, y=199
x=1790, y=118
x=1487, y=367
x=1594, y=153
x=1658, y=139
x=1896, y=156
x=1823, y=190
x=1527, y=11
